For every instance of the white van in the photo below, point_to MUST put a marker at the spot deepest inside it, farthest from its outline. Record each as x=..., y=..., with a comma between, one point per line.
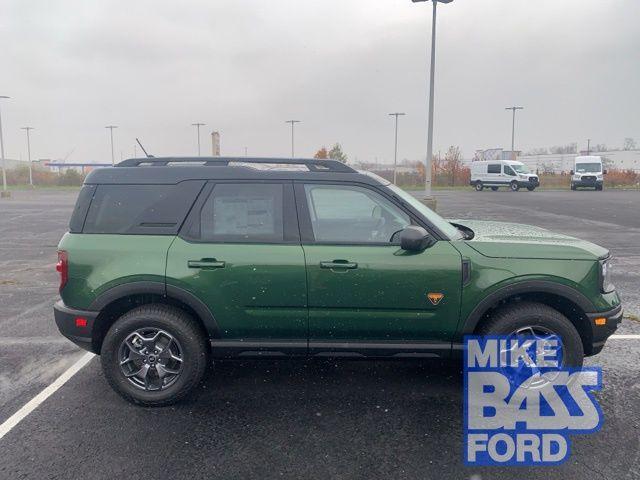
x=502, y=173
x=588, y=172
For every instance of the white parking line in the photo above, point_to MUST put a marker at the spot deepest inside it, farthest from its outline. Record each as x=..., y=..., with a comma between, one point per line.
x=624, y=337
x=32, y=404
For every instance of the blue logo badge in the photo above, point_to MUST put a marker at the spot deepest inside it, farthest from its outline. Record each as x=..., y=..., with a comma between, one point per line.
x=520, y=404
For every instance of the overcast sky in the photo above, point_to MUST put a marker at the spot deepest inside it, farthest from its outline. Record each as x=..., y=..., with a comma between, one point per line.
x=243, y=67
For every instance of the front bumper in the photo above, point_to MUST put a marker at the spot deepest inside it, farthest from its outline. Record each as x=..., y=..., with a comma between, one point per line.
x=531, y=182
x=587, y=183
x=76, y=325
x=600, y=333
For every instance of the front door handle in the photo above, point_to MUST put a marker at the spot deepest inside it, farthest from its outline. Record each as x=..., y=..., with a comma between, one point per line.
x=205, y=263
x=339, y=264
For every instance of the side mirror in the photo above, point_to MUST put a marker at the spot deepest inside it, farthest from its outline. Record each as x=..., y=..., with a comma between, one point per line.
x=415, y=239
x=604, y=172
x=571, y=172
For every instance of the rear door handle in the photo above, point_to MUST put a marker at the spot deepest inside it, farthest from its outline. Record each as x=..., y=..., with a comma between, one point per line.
x=339, y=264
x=205, y=263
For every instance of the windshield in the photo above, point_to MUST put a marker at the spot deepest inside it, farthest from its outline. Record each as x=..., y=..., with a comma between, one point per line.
x=588, y=167
x=445, y=227
x=520, y=168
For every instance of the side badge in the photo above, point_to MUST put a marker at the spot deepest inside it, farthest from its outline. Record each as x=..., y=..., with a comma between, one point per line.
x=435, y=297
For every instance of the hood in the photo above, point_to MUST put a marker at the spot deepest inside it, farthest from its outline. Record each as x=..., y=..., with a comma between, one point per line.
x=514, y=240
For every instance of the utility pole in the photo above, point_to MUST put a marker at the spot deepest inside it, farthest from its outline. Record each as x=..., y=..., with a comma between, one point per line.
x=5, y=193
x=395, y=150
x=198, y=125
x=26, y=129
x=111, y=127
x=513, y=125
x=432, y=74
x=588, y=146
x=292, y=122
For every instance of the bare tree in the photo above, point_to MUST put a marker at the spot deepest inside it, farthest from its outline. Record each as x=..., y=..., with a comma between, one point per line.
x=629, y=144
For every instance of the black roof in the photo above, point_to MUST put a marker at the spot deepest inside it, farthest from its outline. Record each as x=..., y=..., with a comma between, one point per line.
x=171, y=170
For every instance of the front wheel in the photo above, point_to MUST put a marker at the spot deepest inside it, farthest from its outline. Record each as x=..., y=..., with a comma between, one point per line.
x=514, y=186
x=531, y=189
x=154, y=355
x=573, y=186
x=537, y=319
x=599, y=188
x=479, y=186
x=495, y=189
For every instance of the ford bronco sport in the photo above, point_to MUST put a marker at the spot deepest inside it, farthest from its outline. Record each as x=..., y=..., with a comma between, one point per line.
x=170, y=262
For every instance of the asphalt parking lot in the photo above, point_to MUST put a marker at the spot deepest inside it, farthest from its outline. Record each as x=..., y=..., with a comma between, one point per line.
x=286, y=419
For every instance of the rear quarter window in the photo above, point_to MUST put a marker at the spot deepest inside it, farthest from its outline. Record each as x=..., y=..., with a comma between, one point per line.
x=80, y=210
x=141, y=209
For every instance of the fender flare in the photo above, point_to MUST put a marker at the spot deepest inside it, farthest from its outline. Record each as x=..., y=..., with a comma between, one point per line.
x=167, y=291
x=528, y=286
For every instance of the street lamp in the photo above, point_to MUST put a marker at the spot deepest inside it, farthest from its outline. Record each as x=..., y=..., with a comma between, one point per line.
x=513, y=125
x=4, y=167
x=395, y=151
x=198, y=125
x=111, y=127
x=26, y=129
x=427, y=183
x=292, y=122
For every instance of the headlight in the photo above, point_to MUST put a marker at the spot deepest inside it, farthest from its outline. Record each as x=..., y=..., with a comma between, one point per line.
x=605, y=276
x=576, y=177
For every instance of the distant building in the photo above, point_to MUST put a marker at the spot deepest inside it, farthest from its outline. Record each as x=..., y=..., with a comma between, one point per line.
x=559, y=163
x=496, y=154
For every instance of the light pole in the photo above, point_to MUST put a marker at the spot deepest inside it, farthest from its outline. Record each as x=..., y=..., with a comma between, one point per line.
x=26, y=129
x=292, y=122
x=395, y=150
x=198, y=125
x=4, y=167
x=513, y=125
x=427, y=182
x=111, y=127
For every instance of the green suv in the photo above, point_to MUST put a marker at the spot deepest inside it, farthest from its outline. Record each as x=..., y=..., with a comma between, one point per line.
x=170, y=262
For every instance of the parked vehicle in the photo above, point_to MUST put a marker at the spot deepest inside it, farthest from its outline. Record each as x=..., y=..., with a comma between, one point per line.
x=502, y=173
x=171, y=262
x=588, y=172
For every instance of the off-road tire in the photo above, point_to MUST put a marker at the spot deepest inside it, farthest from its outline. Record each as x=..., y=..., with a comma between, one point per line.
x=515, y=316
x=182, y=327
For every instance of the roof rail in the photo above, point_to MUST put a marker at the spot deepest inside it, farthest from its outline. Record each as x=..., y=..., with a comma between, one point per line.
x=313, y=164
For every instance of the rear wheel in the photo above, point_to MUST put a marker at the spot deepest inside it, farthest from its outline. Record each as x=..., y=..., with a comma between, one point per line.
x=495, y=189
x=514, y=186
x=537, y=319
x=154, y=355
x=479, y=186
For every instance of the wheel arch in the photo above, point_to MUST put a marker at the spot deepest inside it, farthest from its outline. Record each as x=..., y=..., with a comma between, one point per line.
x=115, y=302
x=567, y=300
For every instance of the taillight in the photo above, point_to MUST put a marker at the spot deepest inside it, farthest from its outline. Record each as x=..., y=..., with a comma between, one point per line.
x=62, y=267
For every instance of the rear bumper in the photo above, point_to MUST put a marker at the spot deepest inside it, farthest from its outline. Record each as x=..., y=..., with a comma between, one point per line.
x=601, y=333
x=70, y=324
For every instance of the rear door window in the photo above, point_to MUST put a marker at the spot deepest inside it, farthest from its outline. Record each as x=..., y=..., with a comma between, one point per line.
x=244, y=212
x=141, y=209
